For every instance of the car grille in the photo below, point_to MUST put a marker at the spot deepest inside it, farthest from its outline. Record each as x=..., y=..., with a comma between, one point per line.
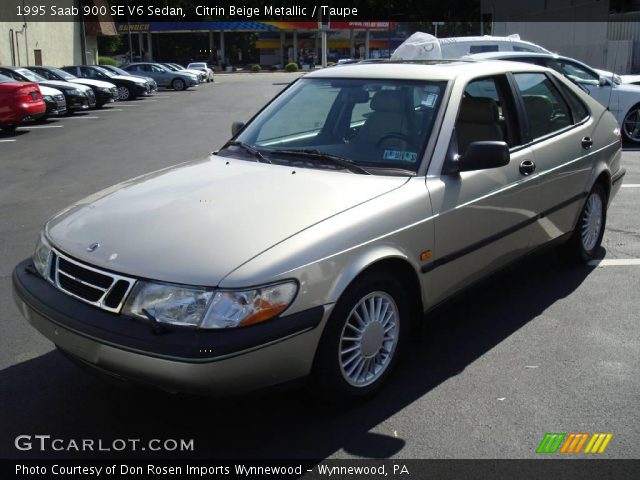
x=60, y=101
x=114, y=92
x=96, y=287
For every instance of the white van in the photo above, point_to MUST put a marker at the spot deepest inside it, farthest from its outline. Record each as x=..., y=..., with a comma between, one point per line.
x=422, y=46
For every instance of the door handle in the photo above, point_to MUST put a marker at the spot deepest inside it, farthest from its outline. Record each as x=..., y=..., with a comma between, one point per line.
x=587, y=143
x=527, y=167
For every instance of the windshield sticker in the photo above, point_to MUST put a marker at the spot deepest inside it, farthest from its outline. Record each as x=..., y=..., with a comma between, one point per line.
x=400, y=156
x=429, y=100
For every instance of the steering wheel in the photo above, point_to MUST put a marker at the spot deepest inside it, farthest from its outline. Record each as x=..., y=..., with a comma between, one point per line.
x=398, y=135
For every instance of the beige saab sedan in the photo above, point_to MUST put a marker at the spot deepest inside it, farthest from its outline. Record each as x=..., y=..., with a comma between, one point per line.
x=359, y=198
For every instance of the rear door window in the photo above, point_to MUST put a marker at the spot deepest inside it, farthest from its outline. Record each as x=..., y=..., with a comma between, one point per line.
x=545, y=109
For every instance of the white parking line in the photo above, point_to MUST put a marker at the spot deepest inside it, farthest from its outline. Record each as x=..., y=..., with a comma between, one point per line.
x=631, y=185
x=78, y=118
x=126, y=106
x=615, y=262
x=8, y=140
x=30, y=127
x=111, y=110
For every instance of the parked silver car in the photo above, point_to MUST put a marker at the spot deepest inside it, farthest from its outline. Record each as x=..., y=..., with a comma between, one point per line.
x=359, y=198
x=623, y=100
x=162, y=75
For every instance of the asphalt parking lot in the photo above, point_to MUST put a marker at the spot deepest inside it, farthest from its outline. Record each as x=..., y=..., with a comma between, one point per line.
x=541, y=347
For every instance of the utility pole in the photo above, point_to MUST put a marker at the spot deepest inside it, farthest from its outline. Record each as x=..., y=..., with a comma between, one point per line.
x=435, y=24
x=323, y=25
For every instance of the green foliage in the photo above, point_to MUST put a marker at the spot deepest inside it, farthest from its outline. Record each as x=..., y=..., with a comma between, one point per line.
x=107, y=61
x=256, y=68
x=111, y=45
x=291, y=67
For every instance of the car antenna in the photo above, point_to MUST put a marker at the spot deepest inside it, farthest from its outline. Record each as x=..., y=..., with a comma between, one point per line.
x=613, y=74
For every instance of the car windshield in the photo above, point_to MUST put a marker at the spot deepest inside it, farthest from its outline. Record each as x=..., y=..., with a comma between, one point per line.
x=198, y=65
x=28, y=74
x=62, y=74
x=5, y=79
x=105, y=71
x=118, y=71
x=373, y=124
x=169, y=67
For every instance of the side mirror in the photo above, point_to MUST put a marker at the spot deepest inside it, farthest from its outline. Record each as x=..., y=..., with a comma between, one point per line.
x=603, y=81
x=236, y=127
x=483, y=155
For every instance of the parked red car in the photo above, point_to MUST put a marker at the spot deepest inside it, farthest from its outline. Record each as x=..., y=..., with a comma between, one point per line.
x=19, y=102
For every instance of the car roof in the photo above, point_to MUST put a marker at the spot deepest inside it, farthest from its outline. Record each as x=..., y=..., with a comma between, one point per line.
x=422, y=70
x=502, y=55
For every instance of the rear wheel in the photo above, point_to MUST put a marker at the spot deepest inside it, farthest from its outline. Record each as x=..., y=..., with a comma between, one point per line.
x=362, y=339
x=8, y=128
x=178, y=84
x=631, y=124
x=587, y=235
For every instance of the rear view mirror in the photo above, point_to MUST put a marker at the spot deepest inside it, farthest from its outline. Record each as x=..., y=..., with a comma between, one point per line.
x=483, y=155
x=236, y=127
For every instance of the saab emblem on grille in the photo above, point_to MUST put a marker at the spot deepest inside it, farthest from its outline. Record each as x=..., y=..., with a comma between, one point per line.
x=93, y=247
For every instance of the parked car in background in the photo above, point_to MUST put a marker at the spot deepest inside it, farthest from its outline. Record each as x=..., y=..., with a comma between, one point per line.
x=162, y=75
x=129, y=87
x=202, y=66
x=202, y=76
x=78, y=97
x=378, y=190
x=55, y=102
x=118, y=71
x=623, y=100
x=19, y=102
x=105, y=92
x=423, y=46
x=630, y=79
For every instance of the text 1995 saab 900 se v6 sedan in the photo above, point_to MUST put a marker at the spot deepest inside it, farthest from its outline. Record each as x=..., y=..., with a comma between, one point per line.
x=356, y=200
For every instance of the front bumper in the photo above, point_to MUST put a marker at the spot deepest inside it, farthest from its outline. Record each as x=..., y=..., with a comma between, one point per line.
x=55, y=108
x=78, y=102
x=219, y=362
x=104, y=97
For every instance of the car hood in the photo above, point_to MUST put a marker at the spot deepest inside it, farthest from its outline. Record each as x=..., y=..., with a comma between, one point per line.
x=65, y=85
x=195, y=223
x=95, y=83
x=132, y=78
x=49, y=91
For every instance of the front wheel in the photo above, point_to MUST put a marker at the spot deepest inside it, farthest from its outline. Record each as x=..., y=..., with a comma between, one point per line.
x=631, y=124
x=362, y=339
x=124, y=93
x=587, y=235
x=178, y=84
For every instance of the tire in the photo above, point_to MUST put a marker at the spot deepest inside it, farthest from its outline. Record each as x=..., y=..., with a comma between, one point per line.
x=631, y=124
x=8, y=128
x=178, y=84
x=589, y=230
x=124, y=93
x=346, y=369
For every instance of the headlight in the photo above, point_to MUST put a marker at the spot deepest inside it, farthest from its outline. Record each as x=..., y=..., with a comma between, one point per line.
x=210, y=309
x=41, y=256
x=76, y=91
x=105, y=89
x=47, y=97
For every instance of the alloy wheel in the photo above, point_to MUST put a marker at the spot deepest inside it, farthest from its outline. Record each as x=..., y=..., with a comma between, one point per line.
x=591, y=222
x=369, y=339
x=631, y=125
x=123, y=93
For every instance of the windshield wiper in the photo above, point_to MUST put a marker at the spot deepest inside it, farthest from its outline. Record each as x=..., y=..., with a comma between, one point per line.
x=324, y=157
x=249, y=149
